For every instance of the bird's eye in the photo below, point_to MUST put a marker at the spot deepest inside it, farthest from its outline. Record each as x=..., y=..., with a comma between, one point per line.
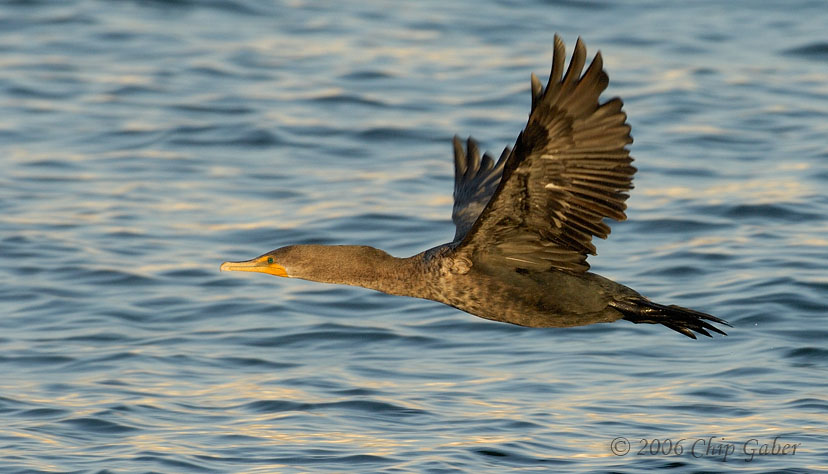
x=269, y=259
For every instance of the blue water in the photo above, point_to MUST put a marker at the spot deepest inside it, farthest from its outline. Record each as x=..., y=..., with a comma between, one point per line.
x=144, y=142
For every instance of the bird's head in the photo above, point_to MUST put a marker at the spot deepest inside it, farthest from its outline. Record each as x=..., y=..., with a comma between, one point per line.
x=325, y=263
x=280, y=262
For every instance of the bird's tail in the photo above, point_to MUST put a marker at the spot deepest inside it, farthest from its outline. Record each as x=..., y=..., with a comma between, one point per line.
x=683, y=320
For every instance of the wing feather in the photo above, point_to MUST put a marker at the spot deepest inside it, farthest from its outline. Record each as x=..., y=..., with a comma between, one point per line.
x=569, y=170
x=475, y=181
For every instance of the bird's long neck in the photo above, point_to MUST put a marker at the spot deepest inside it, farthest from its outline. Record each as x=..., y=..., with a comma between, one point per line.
x=366, y=267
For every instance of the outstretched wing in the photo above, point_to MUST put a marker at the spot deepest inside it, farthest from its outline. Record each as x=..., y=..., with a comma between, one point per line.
x=569, y=171
x=475, y=181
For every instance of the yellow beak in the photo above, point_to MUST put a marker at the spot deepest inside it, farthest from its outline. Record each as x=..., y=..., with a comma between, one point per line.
x=262, y=264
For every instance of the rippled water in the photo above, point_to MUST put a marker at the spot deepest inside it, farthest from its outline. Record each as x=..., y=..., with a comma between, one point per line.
x=142, y=143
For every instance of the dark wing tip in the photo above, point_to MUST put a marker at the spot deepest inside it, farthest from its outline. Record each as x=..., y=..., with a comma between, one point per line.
x=460, y=161
x=558, y=61
x=536, y=89
x=472, y=157
x=503, y=155
x=487, y=162
x=576, y=64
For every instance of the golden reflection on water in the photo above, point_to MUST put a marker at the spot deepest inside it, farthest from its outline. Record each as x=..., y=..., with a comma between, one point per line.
x=222, y=414
x=754, y=191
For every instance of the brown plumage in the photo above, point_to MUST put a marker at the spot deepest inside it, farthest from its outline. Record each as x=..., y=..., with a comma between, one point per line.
x=524, y=223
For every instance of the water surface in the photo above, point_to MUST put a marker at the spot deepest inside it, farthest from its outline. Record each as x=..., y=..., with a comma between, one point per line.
x=142, y=143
